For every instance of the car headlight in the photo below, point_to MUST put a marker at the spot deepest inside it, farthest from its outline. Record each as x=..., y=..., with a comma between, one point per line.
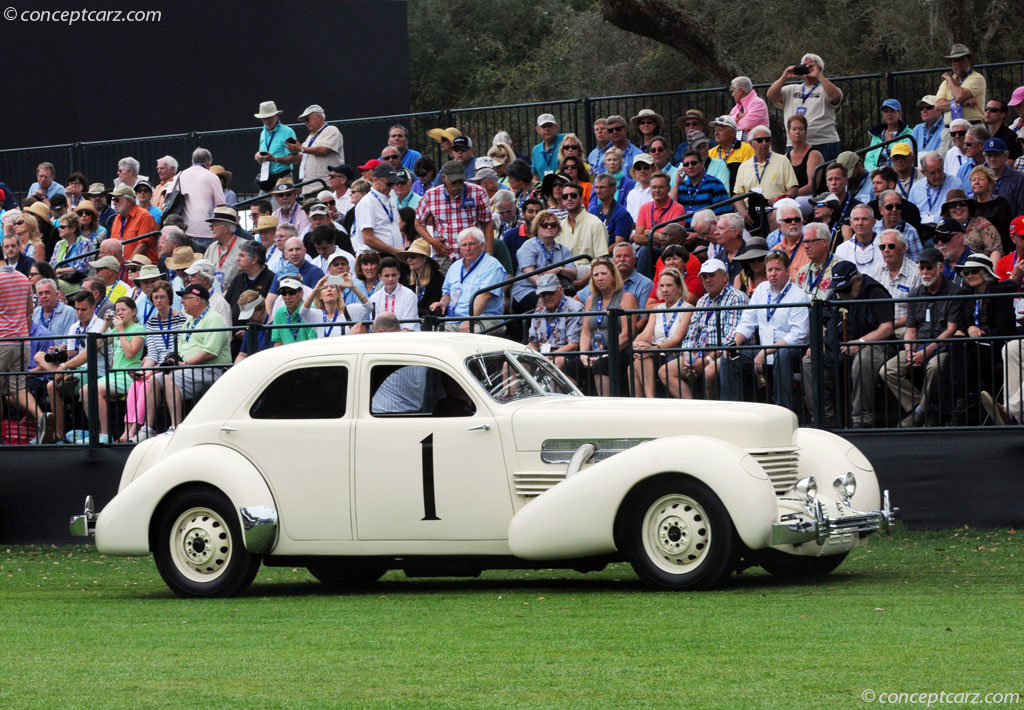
x=845, y=485
x=808, y=488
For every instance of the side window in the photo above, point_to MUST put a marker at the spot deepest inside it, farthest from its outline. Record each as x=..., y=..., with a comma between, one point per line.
x=304, y=393
x=416, y=391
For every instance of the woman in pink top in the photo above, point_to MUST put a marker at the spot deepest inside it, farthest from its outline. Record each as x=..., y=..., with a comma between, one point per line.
x=750, y=109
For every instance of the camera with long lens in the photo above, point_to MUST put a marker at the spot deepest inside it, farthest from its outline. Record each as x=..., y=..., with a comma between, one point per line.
x=56, y=356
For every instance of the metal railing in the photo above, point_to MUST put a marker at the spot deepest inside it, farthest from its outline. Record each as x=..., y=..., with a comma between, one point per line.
x=364, y=137
x=820, y=386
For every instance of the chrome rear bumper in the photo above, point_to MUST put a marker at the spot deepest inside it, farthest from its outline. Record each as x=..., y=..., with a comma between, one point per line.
x=821, y=528
x=84, y=525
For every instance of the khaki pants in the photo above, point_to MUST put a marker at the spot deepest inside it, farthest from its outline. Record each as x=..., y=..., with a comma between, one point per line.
x=898, y=377
x=1013, y=385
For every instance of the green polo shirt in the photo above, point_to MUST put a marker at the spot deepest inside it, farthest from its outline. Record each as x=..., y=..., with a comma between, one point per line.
x=218, y=343
x=297, y=332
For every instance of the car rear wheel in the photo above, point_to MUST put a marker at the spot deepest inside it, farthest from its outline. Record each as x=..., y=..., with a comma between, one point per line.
x=782, y=565
x=198, y=547
x=678, y=535
x=347, y=575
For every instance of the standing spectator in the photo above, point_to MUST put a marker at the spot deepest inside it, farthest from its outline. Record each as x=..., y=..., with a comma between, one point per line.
x=647, y=124
x=898, y=274
x=225, y=175
x=779, y=329
x=132, y=221
x=602, y=140
x=398, y=137
x=462, y=152
x=893, y=209
x=932, y=321
x=44, y=187
x=166, y=170
x=377, y=217
x=544, y=158
x=452, y=207
x=339, y=178
x=474, y=271
x=955, y=156
x=393, y=297
x=223, y=251
x=892, y=126
x=201, y=356
x=962, y=91
x=750, y=109
x=273, y=147
x=324, y=146
x=15, y=325
x=204, y=193
x=815, y=99
x=289, y=211
x=928, y=133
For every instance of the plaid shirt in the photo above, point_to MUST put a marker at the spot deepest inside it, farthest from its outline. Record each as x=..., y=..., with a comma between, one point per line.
x=712, y=328
x=473, y=209
x=1011, y=187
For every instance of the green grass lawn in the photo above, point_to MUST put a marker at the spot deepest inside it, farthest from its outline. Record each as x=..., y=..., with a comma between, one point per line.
x=925, y=611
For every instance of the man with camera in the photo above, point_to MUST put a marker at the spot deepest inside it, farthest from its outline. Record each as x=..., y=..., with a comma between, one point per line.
x=816, y=99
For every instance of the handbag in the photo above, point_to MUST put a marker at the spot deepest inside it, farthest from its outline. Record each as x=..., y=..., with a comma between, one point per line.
x=174, y=203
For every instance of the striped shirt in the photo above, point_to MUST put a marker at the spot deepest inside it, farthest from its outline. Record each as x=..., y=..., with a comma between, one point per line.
x=707, y=191
x=15, y=291
x=159, y=342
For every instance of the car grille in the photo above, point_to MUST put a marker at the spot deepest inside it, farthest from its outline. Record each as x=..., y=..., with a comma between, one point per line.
x=781, y=465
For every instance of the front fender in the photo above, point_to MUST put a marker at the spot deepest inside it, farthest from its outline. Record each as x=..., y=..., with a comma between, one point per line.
x=576, y=518
x=122, y=527
x=827, y=456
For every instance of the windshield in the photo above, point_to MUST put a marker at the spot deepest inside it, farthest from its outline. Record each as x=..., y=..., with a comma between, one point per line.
x=508, y=376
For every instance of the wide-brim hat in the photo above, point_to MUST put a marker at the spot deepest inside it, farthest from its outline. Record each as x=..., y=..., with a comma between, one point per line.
x=182, y=258
x=268, y=109
x=419, y=247
x=220, y=170
x=266, y=223
x=756, y=248
x=958, y=50
x=87, y=206
x=958, y=196
x=977, y=261
x=140, y=260
x=691, y=113
x=96, y=188
x=647, y=113
x=444, y=134
x=284, y=185
x=147, y=272
x=40, y=210
x=224, y=214
x=547, y=185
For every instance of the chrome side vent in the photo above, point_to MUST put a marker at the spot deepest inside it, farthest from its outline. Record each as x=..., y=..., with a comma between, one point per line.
x=532, y=483
x=561, y=450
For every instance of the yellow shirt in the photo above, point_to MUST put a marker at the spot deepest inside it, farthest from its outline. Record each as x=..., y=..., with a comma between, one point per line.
x=975, y=83
x=773, y=178
x=736, y=155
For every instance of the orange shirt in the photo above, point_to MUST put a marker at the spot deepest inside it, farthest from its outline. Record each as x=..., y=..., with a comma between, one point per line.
x=139, y=222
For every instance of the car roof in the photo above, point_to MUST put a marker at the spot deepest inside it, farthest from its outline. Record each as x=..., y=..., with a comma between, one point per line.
x=437, y=344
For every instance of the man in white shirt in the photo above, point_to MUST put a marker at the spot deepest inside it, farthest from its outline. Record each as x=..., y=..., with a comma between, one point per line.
x=897, y=273
x=778, y=328
x=377, y=217
x=861, y=249
x=394, y=297
x=323, y=147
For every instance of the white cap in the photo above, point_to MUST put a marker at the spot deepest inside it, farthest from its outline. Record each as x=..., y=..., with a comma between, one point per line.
x=545, y=118
x=290, y=283
x=712, y=265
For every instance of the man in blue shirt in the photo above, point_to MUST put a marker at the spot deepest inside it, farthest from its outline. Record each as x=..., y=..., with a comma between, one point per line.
x=272, y=146
x=596, y=157
x=476, y=270
x=928, y=133
x=616, y=126
x=544, y=159
x=616, y=218
x=929, y=192
x=398, y=137
x=44, y=187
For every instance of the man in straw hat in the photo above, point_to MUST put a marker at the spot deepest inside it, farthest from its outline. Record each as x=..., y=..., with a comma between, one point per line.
x=97, y=194
x=223, y=252
x=273, y=146
x=289, y=212
x=962, y=85
x=180, y=259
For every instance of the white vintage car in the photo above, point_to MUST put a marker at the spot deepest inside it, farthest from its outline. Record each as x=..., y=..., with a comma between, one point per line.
x=445, y=454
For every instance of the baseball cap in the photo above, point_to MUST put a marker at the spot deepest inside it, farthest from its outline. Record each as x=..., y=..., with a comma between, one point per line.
x=386, y=173
x=894, y=104
x=948, y=227
x=545, y=118
x=203, y=266
x=289, y=283
x=929, y=101
x=195, y=290
x=712, y=265
x=453, y=170
x=725, y=121
x=900, y=149
x=462, y=143
x=643, y=158
x=106, y=262
x=369, y=165
x=843, y=274
x=548, y=283
x=995, y=145
x=931, y=255
x=312, y=108
x=1017, y=226
x=319, y=209
x=1017, y=98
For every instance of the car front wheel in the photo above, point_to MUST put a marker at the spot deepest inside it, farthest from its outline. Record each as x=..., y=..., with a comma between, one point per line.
x=198, y=545
x=678, y=534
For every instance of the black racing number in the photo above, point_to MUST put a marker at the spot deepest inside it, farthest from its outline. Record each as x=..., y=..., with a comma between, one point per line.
x=427, y=451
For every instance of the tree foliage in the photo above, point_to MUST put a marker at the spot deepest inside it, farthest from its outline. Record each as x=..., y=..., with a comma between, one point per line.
x=466, y=53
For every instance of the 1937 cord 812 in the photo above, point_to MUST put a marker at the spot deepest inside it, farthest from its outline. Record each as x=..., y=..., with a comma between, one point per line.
x=446, y=454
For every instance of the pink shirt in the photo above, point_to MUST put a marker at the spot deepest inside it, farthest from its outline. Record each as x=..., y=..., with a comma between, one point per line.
x=204, y=193
x=756, y=114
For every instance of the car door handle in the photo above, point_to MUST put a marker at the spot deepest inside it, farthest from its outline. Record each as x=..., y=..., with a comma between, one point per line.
x=228, y=429
x=480, y=427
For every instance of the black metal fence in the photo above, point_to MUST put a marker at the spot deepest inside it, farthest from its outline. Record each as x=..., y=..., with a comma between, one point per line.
x=364, y=137
x=828, y=383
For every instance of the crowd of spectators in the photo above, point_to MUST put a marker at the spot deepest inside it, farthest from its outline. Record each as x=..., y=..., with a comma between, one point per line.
x=714, y=305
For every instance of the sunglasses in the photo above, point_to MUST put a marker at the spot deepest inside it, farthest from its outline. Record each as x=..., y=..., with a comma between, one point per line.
x=790, y=220
x=287, y=292
x=132, y=268
x=973, y=272
x=762, y=139
x=334, y=175
x=20, y=221
x=958, y=134
x=658, y=150
x=570, y=147
x=691, y=124
x=646, y=122
x=957, y=205
x=822, y=204
x=885, y=247
x=691, y=164
x=942, y=238
x=550, y=225
x=570, y=195
x=390, y=157
x=992, y=109
x=890, y=208
x=641, y=166
x=616, y=129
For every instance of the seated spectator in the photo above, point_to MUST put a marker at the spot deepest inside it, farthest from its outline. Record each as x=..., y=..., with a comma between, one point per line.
x=802, y=155
x=294, y=315
x=675, y=255
x=14, y=255
x=97, y=194
x=988, y=321
x=327, y=300
x=111, y=288
x=928, y=133
x=750, y=109
x=956, y=156
x=350, y=288
x=538, y=253
x=993, y=207
x=816, y=277
x=632, y=280
x=662, y=208
x=606, y=293
x=891, y=206
x=72, y=244
x=729, y=243
x=995, y=122
x=202, y=272
x=791, y=226
x=475, y=272
x=223, y=250
x=58, y=318
x=641, y=172
x=393, y=297
x=253, y=311
x=850, y=330
x=132, y=221
x=613, y=166
x=424, y=278
x=288, y=211
x=933, y=321
x=581, y=232
x=897, y=273
x=980, y=235
x=1011, y=266
x=838, y=182
x=616, y=218
x=647, y=124
x=858, y=179
x=778, y=330
x=861, y=249
x=324, y=240
x=515, y=237
x=892, y=126
x=1009, y=182
x=714, y=167
x=664, y=331
x=253, y=275
x=765, y=172
x=576, y=170
x=692, y=120
x=930, y=192
x=949, y=239
x=554, y=336
x=368, y=272
x=711, y=329
x=519, y=178
x=696, y=189
x=144, y=196
x=90, y=220
x=729, y=149
x=752, y=273
x=661, y=151
x=161, y=341
x=30, y=239
x=295, y=254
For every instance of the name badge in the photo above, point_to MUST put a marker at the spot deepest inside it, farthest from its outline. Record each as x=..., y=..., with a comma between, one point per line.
x=928, y=315
x=901, y=287
x=456, y=292
x=470, y=204
x=219, y=276
x=545, y=348
x=801, y=110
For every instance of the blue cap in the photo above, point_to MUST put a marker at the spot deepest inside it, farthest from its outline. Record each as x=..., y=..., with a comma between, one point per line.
x=995, y=145
x=893, y=104
x=287, y=269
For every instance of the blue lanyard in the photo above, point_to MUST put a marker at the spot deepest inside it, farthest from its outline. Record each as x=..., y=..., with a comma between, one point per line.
x=692, y=192
x=268, y=136
x=295, y=331
x=313, y=137
x=666, y=323
x=771, y=311
x=812, y=283
x=166, y=336
x=932, y=200
x=905, y=191
x=931, y=133
x=195, y=323
x=148, y=311
x=549, y=256
x=757, y=173
x=599, y=319
x=804, y=97
x=977, y=310
x=663, y=212
x=47, y=321
x=327, y=333
x=464, y=273
x=391, y=213
x=270, y=252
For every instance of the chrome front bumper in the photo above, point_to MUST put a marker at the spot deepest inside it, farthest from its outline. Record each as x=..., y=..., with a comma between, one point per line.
x=84, y=525
x=821, y=528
